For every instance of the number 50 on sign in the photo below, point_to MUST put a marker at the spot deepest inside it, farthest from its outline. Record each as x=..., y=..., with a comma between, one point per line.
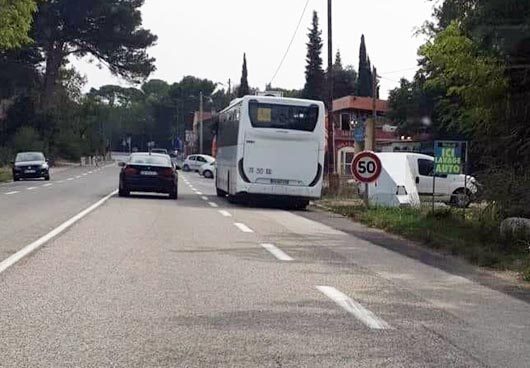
x=366, y=167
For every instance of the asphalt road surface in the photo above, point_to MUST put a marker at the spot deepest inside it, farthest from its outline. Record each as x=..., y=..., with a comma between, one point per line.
x=151, y=282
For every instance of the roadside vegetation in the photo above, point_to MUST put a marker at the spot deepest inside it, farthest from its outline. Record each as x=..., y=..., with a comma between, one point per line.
x=5, y=174
x=474, y=236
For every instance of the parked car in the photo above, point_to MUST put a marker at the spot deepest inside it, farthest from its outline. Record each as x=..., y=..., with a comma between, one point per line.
x=208, y=170
x=194, y=162
x=148, y=172
x=30, y=165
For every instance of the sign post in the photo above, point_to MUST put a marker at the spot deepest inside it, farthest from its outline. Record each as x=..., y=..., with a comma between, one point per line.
x=366, y=168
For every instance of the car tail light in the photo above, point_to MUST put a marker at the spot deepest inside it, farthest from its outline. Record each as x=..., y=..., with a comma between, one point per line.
x=167, y=173
x=130, y=171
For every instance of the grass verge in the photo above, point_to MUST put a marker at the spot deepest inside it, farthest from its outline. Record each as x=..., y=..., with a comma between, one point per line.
x=475, y=237
x=5, y=174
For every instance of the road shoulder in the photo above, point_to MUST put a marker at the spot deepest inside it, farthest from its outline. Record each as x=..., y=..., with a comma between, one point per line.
x=503, y=282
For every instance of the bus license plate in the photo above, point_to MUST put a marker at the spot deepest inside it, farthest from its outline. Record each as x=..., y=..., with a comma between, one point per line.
x=149, y=173
x=279, y=182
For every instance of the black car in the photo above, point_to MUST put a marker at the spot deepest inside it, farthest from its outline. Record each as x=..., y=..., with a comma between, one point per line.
x=148, y=172
x=30, y=165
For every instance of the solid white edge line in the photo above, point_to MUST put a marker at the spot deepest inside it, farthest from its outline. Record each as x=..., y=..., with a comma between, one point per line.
x=225, y=213
x=278, y=253
x=12, y=260
x=351, y=306
x=244, y=228
x=214, y=205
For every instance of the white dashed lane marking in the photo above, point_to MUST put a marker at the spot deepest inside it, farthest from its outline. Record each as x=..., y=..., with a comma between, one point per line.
x=12, y=193
x=205, y=198
x=278, y=253
x=214, y=205
x=244, y=228
x=225, y=213
x=357, y=310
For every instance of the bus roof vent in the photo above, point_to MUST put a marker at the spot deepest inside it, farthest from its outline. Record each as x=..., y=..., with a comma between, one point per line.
x=270, y=94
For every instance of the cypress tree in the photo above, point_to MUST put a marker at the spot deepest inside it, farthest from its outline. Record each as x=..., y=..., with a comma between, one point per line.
x=315, y=77
x=244, y=88
x=364, y=86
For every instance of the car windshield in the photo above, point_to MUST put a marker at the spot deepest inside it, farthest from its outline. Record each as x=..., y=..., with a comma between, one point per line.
x=29, y=156
x=149, y=160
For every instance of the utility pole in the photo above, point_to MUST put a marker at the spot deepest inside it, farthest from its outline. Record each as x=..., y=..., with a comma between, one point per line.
x=370, y=128
x=201, y=117
x=331, y=123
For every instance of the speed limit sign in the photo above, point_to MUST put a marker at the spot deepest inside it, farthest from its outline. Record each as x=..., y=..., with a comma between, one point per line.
x=366, y=167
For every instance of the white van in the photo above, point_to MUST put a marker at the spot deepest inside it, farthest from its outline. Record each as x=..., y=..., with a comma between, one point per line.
x=401, y=170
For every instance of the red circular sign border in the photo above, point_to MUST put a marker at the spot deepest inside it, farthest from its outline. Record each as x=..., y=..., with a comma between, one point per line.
x=377, y=173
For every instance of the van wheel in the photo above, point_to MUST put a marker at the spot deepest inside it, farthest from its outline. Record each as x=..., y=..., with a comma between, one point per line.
x=461, y=198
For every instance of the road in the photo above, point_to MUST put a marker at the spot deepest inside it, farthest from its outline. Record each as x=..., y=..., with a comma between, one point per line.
x=151, y=282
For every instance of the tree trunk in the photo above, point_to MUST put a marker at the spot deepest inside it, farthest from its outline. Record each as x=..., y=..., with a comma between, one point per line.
x=54, y=60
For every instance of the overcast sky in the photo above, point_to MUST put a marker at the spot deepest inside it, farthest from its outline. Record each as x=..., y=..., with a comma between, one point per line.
x=207, y=38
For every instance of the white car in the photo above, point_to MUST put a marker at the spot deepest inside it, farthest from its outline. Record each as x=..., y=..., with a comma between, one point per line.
x=194, y=162
x=208, y=170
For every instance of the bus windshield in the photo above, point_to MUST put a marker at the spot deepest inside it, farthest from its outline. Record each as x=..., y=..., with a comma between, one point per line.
x=303, y=118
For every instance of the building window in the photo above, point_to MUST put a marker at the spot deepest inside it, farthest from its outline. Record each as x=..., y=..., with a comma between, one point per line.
x=345, y=122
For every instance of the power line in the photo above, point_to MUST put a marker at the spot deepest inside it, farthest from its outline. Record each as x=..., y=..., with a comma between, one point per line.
x=290, y=43
x=402, y=70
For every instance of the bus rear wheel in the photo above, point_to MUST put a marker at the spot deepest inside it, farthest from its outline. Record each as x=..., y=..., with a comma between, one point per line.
x=220, y=193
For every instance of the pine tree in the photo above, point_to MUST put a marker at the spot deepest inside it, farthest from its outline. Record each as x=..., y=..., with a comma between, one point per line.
x=364, y=87
x=244, y=88
x=314, y=86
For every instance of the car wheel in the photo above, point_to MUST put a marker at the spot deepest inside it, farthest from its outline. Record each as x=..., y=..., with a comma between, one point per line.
x=208, y=174
x=220, y=193
x=461, y=198
x=186, y=168
x=47, y=177
x=16, y=179
x=174, y=193
x=124, y=192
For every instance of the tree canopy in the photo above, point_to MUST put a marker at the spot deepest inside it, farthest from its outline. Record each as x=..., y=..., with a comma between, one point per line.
x=16, y=17
x=108, y=30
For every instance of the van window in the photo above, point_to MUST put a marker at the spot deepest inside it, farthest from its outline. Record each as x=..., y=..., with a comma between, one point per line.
x=425, y=167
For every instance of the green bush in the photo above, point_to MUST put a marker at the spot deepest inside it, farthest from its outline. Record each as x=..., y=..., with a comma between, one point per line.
x=27, y=139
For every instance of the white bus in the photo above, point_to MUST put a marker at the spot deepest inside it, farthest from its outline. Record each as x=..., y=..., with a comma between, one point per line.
x=271, y=147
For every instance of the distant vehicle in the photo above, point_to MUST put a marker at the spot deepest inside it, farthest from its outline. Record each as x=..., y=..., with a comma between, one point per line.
x=417, y=171
x=161, y=151
x=194, y=162
x=208, y=170
x=30, y=165
x=148, y=172
x=271, y=147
